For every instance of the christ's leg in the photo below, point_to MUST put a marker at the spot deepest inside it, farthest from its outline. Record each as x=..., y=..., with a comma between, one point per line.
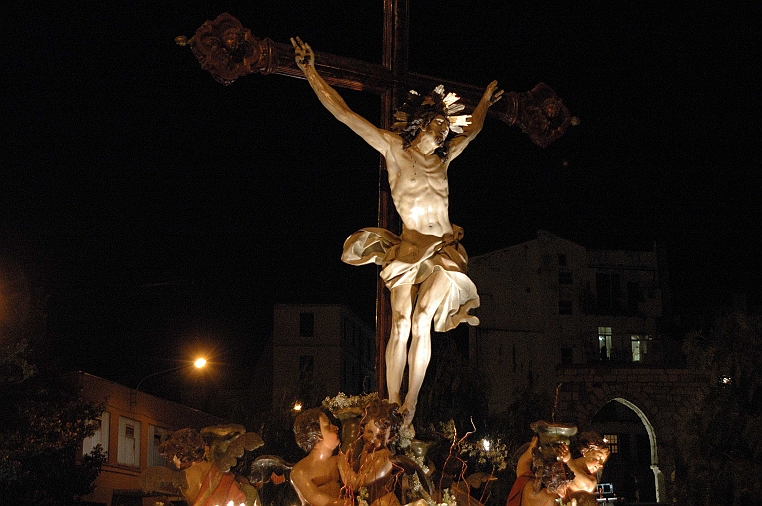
x=396, y=349
x=432, y=291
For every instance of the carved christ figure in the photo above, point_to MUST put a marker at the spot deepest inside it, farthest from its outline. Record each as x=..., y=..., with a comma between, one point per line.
x=425, y=267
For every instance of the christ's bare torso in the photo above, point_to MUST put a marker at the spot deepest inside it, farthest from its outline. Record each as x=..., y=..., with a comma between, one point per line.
x=419, y=189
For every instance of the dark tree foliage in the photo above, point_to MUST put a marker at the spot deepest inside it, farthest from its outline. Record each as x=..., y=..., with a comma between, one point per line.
x=451, y=390
x=21, y=320
x=41, y=438
x=528, y=407
x=44, y=420
x=277, y=430
x=720, y=450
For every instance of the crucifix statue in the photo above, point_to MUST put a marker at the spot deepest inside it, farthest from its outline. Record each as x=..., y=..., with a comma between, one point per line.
x=423, y=266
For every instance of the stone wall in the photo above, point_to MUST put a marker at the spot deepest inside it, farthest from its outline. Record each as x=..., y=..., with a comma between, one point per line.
x=663, y=399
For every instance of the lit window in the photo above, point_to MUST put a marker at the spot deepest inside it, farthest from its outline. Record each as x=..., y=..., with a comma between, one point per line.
x=613, y=441
x=604, y=342
x=639, y=345
x=129, y=442
x=100, y=437
x=156, y=436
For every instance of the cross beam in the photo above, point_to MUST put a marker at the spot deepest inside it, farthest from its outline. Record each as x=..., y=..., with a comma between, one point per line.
x=228, y=51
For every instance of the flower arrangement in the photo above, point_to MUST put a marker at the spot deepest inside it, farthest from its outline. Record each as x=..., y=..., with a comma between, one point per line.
x=343, y=401
x=486, y=451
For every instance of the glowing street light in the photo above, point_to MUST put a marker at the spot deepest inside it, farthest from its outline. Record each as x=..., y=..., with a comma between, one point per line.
x=199, y=363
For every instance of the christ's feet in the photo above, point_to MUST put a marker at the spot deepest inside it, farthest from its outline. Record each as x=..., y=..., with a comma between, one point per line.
x=407, y=413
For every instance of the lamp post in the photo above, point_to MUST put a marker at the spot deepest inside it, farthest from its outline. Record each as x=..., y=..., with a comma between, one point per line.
x=199, y=363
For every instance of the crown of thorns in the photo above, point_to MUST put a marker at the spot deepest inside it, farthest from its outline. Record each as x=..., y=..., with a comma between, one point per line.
x=417, y=109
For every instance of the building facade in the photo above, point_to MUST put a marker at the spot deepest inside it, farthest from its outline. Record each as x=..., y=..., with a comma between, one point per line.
x=549, y=301
x=320, y=350
x=583, y=328
x=131, y=427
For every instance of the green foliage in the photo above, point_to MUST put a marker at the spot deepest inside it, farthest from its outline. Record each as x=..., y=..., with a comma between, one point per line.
x=720, y=451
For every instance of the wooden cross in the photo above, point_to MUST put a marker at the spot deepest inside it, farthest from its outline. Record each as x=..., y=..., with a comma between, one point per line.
x=228, y=51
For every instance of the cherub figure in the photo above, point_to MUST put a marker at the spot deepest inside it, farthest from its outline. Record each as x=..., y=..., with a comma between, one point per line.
x=593, y=452
x=523, y=492
x=316, y=477
x=579, y=485
x=368, y=464
x=204, y=476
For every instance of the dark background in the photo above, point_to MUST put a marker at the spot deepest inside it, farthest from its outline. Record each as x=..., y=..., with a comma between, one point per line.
x=167, y=213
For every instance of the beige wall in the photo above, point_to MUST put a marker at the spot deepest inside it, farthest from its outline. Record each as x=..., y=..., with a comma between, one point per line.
x=144, y=408
x=341, y=347
x=522, y=332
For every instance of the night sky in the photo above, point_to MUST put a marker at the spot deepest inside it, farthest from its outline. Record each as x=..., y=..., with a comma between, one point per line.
x=166, y=211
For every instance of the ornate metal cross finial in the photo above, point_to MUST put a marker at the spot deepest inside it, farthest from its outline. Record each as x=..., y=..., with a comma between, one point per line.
x=226, y=49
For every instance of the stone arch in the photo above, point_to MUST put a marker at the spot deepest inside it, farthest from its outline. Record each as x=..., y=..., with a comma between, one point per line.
x=659, y=482
x=660, y=398
x=658, y=474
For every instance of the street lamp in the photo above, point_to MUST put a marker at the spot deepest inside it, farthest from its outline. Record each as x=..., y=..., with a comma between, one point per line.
x=199, y=363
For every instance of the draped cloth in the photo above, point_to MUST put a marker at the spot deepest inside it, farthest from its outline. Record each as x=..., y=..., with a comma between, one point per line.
x=409, y=259
x=218, y=489
x=515, y=495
